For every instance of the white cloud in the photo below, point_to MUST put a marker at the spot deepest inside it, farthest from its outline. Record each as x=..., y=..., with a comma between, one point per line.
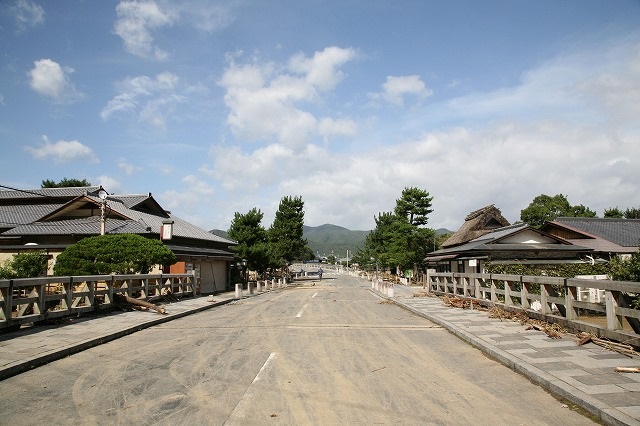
x=27, y=14
x=50, y=79
x=569, y=127
x=329, y=126
x=265, y=102
x=152, y=98
x=195, y=194
x=395, y=89
x=110, y=184
x=136, y=21
x=204, y=14
x=128, y=168
x=62, y=151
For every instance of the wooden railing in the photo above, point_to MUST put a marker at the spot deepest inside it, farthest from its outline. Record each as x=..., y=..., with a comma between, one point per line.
x=28, y=300
x=572, y=302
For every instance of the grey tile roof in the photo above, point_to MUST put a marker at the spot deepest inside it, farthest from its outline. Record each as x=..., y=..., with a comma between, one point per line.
x=624, y=232
x=84, y=226
x=21, y=214
x=487, y=244
x=48, y=193
x=502, y=232
x=24, y=209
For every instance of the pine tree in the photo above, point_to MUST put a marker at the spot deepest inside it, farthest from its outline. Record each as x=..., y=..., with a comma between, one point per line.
x=251, y=236
x=285, y=234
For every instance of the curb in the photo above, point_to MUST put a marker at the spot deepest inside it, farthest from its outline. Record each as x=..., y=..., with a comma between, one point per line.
x=606, y=413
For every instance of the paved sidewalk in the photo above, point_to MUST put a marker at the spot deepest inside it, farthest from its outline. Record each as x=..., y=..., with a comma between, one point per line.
x=583, y=375
x=35, y=346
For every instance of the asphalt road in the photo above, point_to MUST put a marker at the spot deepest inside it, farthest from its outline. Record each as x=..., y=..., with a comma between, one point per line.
x=332, y=353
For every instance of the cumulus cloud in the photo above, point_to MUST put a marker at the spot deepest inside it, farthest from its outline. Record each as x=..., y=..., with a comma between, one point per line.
x=53, y=81
x=265, y=101
x=128, y=168
x=27, y=14
x=62, y=151
x=111, y=184
x=396, y=88
x=189, y=199
x=135, y=24
x=204, y=14
x=569, y=127
x=151, y=98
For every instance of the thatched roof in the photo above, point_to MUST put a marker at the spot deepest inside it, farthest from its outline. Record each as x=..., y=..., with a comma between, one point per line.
x=476, y=224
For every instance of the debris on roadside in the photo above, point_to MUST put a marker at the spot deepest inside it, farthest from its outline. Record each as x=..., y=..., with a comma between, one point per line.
x=458, y=302
x=621, y=348
x=627, y=369
x=143, y=305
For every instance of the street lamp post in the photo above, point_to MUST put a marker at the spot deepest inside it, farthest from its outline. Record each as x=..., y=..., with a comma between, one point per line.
x=103, y=207
x=244, y=264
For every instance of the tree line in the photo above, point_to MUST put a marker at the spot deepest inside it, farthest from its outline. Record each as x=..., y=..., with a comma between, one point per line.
x=545, y=208
x=275, y=247
x=399, y=242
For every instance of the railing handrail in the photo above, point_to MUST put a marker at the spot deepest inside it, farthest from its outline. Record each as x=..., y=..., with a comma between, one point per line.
x=521, y=291
x=24, y=300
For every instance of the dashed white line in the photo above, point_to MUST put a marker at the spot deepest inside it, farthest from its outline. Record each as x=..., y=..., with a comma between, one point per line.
x=302, y=310
x=238, y=413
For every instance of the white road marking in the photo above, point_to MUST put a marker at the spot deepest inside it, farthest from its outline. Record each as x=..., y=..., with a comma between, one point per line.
x=314, y=295
x=238, y=413
x=302, y=310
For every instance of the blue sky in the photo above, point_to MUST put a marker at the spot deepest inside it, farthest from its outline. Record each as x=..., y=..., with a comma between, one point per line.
x=219, y=107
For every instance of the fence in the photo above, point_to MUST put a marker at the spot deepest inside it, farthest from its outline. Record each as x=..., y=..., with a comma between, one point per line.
x=564, y=301
x=28, y=300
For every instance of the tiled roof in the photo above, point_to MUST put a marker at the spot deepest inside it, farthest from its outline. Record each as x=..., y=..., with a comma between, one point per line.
x=84, y=226
x=488, y=243
x=624, y=232
x=48, y=192
x=20, y=214
x=502, y=232
x=27, y=211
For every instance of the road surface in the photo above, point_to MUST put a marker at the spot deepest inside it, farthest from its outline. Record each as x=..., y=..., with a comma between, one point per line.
x=323, y=354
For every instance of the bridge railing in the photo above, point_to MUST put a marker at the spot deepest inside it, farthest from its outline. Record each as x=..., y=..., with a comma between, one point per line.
x=27, y=300
x=595, y=306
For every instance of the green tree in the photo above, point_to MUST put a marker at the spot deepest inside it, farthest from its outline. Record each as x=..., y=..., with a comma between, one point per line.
x=626, y=270
x=24, y=265
x=113, y=254
x=632, y=213
x=545, y=208
x=286, y=242
x=64, y=183
x=251, y=236
x=613, y=213
x=415, y=205
x=400, y=239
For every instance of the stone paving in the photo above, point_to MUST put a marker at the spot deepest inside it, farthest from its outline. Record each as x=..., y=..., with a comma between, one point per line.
x=583, y=375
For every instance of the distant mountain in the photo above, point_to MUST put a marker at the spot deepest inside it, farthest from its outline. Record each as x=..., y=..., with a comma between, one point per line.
x=441, y=231
x=327, y=239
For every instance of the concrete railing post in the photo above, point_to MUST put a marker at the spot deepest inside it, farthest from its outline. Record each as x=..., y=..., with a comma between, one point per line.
x=238, y=291
x=259, y=286
x=250, y=287
x=390, y=291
